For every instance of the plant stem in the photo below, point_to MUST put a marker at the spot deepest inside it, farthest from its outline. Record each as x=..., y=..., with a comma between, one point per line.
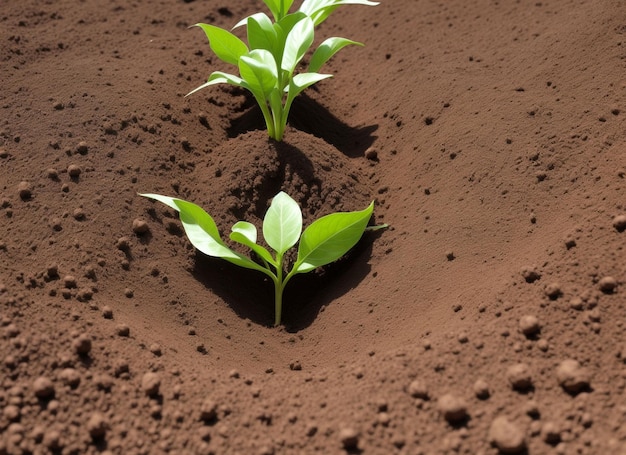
x=278, y=291
x=278, y=302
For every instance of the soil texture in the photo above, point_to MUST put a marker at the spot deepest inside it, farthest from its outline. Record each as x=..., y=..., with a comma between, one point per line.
x=489, y=318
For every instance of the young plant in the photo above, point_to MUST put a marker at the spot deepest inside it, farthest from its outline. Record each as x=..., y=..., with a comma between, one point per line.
x=324, y=241
x=268, y=62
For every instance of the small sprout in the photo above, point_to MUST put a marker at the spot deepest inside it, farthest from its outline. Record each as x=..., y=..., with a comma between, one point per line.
x=324, y=241
x=268, y=62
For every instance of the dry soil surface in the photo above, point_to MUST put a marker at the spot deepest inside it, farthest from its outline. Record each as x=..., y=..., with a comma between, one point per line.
x=489, y=318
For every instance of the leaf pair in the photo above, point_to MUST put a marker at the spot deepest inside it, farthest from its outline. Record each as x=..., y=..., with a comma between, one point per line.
x=324, y=241
x=268, y=62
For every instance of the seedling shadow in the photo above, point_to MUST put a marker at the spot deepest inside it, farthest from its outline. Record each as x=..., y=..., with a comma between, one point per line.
x=250, y=294
x=332, y=281
x=311, y=117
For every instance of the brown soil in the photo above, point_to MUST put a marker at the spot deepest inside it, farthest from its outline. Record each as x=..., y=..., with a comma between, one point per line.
x=489, y=318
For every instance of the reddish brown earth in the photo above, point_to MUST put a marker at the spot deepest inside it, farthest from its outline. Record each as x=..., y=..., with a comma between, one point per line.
x=489, y=318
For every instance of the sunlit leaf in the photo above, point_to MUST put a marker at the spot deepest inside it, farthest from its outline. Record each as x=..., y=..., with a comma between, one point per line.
x=226, y=46
x=326, y=50
x=330, y=237
x=219, y=78
x=245, y=233
x=319, y=10
x=282, y=225
x=202, y=231
x=297, y=43
x=258, y=70
x=261, y=33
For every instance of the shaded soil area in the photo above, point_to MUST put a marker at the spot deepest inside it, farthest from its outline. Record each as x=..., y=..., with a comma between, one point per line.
x=489, y=318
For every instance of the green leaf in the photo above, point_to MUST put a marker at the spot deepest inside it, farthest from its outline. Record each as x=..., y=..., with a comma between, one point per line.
x=286, y=24
x=258, y=70
x=218, y=77
x=261, y=33
x=297, y=43
x=326, y=50
x=319, y=10
x=279, y=8
x=245, y=234
x=248, y=230
x=282, y=28
x=203, y=233
x=304, y=80
x=330, y=237
x=226, y=46
x=282, y=225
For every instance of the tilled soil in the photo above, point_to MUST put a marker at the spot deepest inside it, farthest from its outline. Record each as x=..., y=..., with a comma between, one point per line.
x=489, y=318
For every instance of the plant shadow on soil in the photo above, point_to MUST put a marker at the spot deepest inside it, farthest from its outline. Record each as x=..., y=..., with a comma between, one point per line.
x=308, y=115
x=250, y=294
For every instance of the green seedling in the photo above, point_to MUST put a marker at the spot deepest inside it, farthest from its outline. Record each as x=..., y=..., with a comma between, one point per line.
x=268, y=62
x=324, y=241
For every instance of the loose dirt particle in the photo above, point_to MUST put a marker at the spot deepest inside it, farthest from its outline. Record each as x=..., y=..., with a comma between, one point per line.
x=507, y=436
x=519, y=376
x=56, y=224
x=572, y=376
x=155, y=348
x=550, y=433
x=122, y=330
x=140, y=226
x=82, y=147
x=234, y=374
x=543, y=345
x=553, y=291
x=619, y=223
x=607, y=284
x=529, y=325
x=481, y=389
x=371, y=154
x=79, y=214
x=151, y=383
x=52, y=173
x=107, y=312
x=208, y=411
x=52, y=440
x=577, y=304
x=11, y=331
x=123, y=243
x=418, y=389
x=349, y=438
x=570, y=243
x=70, y=377
x=69, y=282
x=122, y=369
x=43, y=388
x=97, y=425
x=74, y=171
x=11, y=413
x=104, y=382
x=25, y=190
x=530, y=274
x=52, y=272
x=453, y=408
x=383, y=418
x=82, y=345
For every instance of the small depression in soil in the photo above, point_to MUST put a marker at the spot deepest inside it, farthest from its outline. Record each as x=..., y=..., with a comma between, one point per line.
x=242, y=175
